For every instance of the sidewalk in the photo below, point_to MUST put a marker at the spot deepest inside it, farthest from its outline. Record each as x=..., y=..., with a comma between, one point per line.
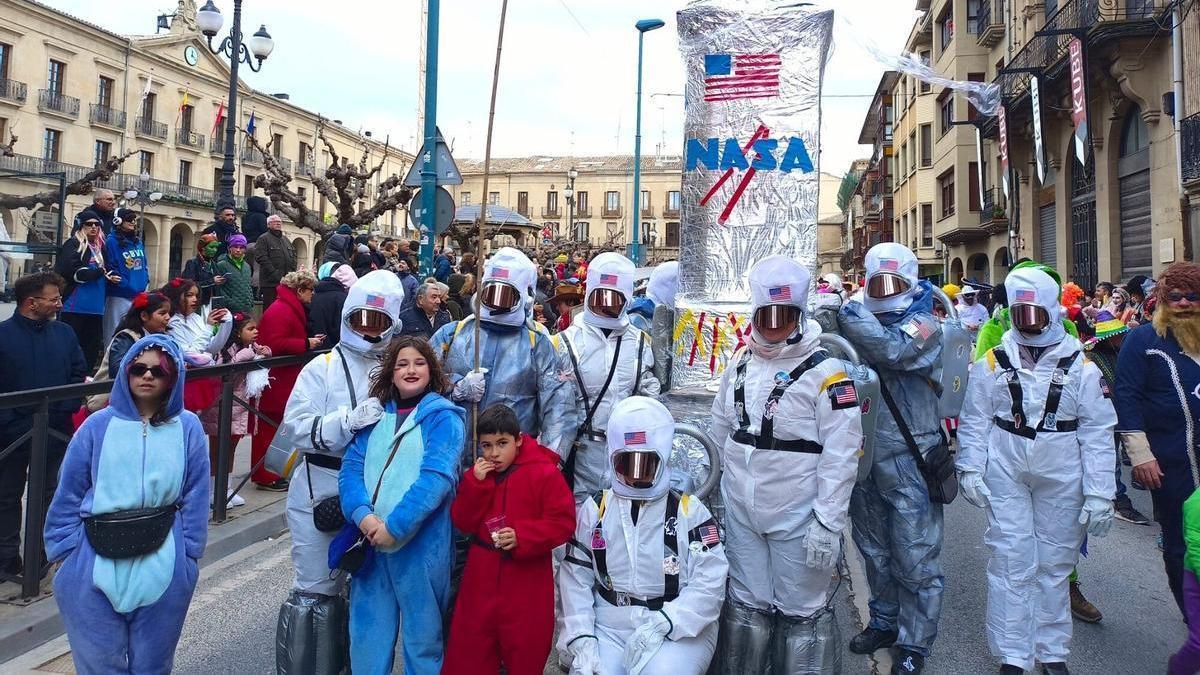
x=28, y=624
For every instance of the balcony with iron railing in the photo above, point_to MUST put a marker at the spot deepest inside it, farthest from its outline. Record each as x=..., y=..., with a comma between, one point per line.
x=584, y=211
x=307, y=170
x=1189, y=139
x=647, y=211
x=250, y=155
x=669, y=212
x=992, y=211
x=106, y=116
x=216, y=144
x=283, y=162
x=614, y=212
x=12, y=91
x=989, y=23
x=150, y=128
x=57, y=102
x=186, y=138
x=551, y=212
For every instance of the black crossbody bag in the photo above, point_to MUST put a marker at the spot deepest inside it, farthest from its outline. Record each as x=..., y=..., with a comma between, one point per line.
x=586, y=427
x=937, y=467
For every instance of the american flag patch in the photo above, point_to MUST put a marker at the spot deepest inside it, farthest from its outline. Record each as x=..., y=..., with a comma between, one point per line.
x=918, y=328
x=780, y=294
x=1105, y=389
x=731, y=77
x=709, y=536
x=843, y=395
x=635, y=438
x=377, y=301
x=499, y=273
x=1025, y=295
x=889, y=265
x=609, y=279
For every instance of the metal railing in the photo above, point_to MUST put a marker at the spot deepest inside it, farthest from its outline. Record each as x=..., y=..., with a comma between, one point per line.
x=216, y=144
x=145, y=126
x=189, y=139
x=251, y=155
x=1190, y=147
x=583, y=212
x=611, y=213
x=100, y=114
x=36, y=403
x=992, y=207
x=548, y=212
x=306, y=169
x=54, y=101
x=284, y=162
x=13, y=90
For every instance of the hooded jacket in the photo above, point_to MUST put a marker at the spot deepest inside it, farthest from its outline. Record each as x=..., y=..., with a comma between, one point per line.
x=338, y=249
x=54, y=349
x=325, y=310
x=84, y=273
x=116, y=462
x=254, y=223
x=126, y=255
x=283, y=328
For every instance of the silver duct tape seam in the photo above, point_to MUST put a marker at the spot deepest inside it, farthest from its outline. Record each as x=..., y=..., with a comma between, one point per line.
x=752, y=138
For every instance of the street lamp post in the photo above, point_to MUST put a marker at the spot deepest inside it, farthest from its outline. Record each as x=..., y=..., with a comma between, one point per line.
x=642, y=26
x=209, y=20
x=569, y=193
x=142, y=196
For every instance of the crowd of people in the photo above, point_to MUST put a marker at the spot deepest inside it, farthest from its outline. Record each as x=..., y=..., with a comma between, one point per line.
x=549, y=517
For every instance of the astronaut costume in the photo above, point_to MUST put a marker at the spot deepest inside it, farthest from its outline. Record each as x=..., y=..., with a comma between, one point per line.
x=521, y=365
x=899, y=532
x=328, y=405
x=1037, y=452
x=788, y=418
x=599, y=341
x=644, y=578
x=971, y=313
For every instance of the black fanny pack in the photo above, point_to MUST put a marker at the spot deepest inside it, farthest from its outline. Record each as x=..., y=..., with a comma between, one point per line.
x=130, y=533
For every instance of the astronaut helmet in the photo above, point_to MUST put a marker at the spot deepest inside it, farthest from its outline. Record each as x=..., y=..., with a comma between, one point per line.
x=609, y=290
x=640, y=433
x=778, y=295
x=891, y=278
x=1034, y=309
x=371, y=313
x=506, y=286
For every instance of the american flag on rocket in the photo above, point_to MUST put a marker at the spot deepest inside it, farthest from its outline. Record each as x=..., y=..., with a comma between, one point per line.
x=377, y=301
x=730, y=77
x=635, y=438
x=608, y=279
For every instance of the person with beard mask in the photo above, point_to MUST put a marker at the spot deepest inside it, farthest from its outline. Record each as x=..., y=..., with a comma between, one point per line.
x=971, y=313
x=1158, y=373
x=788, y=420
x=328, y=405
x=126, y=256
x=611, y=360
x=644, y=576
x=895, y=526
x=521, y=366
x=1037, y=452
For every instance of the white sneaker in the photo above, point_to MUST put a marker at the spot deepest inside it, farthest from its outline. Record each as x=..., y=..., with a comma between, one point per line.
x=234, y=499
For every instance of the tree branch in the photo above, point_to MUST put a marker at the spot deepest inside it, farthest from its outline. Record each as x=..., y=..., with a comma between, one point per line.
x=84, y=186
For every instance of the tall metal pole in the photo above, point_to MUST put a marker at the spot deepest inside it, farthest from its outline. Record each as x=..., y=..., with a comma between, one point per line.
x=637, y=161
x=429, y=158
x=227, y=177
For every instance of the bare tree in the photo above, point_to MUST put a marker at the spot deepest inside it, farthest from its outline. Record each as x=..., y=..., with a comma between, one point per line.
x=84, y=186
x=343, y=185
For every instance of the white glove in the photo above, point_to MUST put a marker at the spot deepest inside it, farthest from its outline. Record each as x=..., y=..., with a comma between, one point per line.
x=585, y=656
x=644, y=643
x=470, y=388
x=823, y=545
x=973, y=488
x=367, y=413
x=831, y=300
x=1097, y=514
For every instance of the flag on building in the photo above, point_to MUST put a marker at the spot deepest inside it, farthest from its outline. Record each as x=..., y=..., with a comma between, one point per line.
x=146, y=90
x=250, y=126
x=219, y=120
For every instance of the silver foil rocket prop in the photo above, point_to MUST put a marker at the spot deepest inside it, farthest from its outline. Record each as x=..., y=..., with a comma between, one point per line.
x=752, y=138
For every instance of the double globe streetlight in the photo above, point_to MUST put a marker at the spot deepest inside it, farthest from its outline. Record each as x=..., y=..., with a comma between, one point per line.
x=209, y=21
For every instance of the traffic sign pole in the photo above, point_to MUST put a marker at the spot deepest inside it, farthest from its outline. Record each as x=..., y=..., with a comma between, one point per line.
x=429, y=156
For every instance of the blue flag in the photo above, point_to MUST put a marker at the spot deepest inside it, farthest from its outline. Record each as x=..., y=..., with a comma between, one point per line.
x=250, y=125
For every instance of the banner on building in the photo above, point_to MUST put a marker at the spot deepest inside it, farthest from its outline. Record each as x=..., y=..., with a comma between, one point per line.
x=1079, y=116
x=1002, y=122
x=1039, y=151
x=751, y=142
x=979, y=162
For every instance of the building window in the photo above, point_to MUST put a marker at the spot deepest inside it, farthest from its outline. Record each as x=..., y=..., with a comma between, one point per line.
x=185, y=172
x=552, y=202
x=945, y=112
x=903, y=159
x=973, y=186
x=973, y=17
x=926, y=145
x=102, y=152
x=925, y=86
x=248, y=187
x=673, y=234
x=673, y=205
x=582, y=230
x=465, y=198
x=612, y=201
x=645, y=205
x=217, y=179
x=946, y=190
x=146, y=162
x=523, y=203
x=581, y=202
x=277, y=145
x=494, y=198
x=972, y=113
x=186, y=115
x=927, y=225
x=1051, y=8
x=51, y=145
x=302, y=193
x=5, y=56
x=945, y=25
x=303, y=156
x=148, y=106
x=104, y=93
x=57, y=78
x=912, y=152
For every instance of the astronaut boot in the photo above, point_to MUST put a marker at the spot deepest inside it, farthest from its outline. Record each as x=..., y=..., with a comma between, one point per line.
x=745, y=639
x=807, y=645
x=312, y=636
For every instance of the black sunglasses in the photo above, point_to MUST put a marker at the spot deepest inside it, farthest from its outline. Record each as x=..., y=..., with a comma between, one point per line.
x=140, y=370
x=1176, y=296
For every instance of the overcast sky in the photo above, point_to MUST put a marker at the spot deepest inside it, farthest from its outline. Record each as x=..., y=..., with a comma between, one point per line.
x=568, y=71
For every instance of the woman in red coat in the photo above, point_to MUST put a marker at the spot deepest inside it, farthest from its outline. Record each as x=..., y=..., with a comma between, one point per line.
x=516, y=507
x=283, y=328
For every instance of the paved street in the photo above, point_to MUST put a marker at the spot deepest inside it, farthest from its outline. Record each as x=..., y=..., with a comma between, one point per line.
x=231, y=625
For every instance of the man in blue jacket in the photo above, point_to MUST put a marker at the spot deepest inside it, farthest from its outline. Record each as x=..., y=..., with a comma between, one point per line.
x=443, y=266
x=126, y=255
x=35, y=351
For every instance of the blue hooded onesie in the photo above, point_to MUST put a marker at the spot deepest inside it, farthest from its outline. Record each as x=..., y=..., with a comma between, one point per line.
x=125, y=616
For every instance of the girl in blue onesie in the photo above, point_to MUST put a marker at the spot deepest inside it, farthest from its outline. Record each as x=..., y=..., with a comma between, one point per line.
x=408, y=521
x=125, y=614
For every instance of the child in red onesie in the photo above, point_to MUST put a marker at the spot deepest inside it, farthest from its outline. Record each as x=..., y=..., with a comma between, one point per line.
x=516, y=507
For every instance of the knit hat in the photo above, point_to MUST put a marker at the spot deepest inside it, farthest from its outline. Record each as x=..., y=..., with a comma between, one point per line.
x=343, y=229
x=455, y=282
x=237, y=240
x=1107, y=326
x=127, y=215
